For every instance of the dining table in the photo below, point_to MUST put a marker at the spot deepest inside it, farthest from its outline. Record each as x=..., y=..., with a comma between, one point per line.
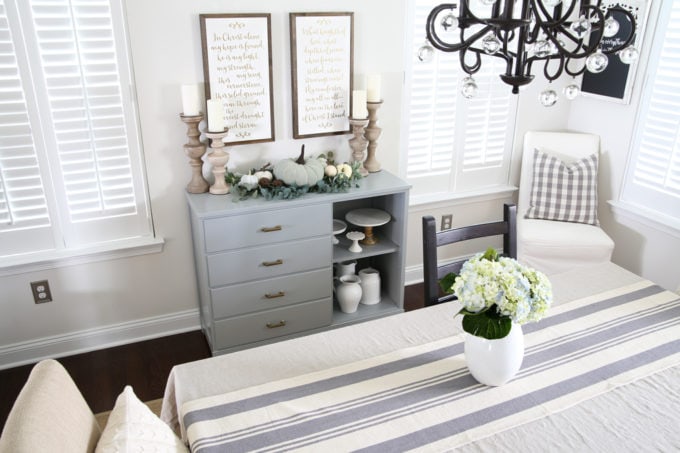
x=601, y=372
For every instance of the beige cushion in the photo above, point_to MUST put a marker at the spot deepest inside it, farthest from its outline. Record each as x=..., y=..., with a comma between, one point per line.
x=50, y=414
x=133, y=427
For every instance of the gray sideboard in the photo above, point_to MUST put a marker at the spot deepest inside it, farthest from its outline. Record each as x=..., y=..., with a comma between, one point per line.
x=265, y=268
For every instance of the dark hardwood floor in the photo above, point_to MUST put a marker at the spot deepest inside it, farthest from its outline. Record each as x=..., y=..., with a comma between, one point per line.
x=101, y=375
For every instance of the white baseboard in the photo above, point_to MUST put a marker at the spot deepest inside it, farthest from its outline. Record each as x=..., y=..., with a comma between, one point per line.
x=416, y=274
x=102, y=337
x=413, y=275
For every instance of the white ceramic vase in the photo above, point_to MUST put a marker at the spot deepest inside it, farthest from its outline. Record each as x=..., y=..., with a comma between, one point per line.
x=495, y=362
x=345, y=268
x=348, y=292
x=370, y=285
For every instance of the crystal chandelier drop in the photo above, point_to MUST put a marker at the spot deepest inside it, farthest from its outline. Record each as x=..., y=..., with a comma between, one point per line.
x=564, y=36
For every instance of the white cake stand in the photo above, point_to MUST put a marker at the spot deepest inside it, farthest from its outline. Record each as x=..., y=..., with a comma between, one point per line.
x=338, y=227
x=368, y=218
x=355, y=237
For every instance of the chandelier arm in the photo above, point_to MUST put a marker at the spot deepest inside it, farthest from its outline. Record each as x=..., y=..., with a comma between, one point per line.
x=560, y=67
x=470, y=69
x=576, y=73
x=592, y=43
x=538, y=6
x=532, y=34
x=586, y=49
x=631, y=36
x=442, y=45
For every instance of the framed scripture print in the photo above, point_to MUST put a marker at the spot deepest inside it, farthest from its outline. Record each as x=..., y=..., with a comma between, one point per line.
x=237, y=66
x=322, y=55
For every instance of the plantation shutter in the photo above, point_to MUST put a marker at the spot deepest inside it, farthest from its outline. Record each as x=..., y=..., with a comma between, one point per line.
x=455, y=144
x=73, y=75
x=653, y=178
x=25, y=223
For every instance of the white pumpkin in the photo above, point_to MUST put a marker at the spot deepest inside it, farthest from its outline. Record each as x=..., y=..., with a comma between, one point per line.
x=248, y=180
x=331, y=171
x=299, y=171
x=345, y=169
x=264, y=174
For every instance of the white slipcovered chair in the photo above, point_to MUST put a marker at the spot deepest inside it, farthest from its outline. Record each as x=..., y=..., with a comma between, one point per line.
x=549, y=245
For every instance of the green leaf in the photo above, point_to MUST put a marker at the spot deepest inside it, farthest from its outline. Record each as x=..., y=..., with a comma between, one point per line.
x=447, y=282
x=487, y=324
x=491, y=254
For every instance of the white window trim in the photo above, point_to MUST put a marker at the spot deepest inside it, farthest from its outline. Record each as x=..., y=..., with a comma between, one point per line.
x=52, y=259
x=645, y=216
x=474, y=196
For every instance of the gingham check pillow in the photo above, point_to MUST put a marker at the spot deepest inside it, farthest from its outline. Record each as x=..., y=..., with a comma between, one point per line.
x=562, y=192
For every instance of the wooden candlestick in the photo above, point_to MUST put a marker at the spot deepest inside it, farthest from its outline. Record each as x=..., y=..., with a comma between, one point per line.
x=195, y=149
x=372, y=133
x=218, y=158
x=358, y=143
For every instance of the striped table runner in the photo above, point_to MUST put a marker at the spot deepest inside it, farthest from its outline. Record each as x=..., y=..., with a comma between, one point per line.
x=424, y=398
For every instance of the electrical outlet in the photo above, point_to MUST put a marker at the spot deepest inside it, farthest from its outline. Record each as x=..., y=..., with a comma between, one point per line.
x=41, y=291
x=446, y=222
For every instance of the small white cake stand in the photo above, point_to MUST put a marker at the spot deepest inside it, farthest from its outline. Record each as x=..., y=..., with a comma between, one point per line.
x=368, y=218
x=338, y=227
x=355, y=237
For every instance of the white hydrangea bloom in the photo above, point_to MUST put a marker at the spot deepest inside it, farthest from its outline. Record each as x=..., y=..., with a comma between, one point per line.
x=519, y=292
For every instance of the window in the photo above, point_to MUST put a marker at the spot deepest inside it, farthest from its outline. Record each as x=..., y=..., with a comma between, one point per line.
x=652, y=179
x=71, y=171
x=455, y=145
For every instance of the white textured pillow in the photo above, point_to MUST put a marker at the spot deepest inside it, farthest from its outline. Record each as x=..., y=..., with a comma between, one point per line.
x=132, y=427
x=564, y=192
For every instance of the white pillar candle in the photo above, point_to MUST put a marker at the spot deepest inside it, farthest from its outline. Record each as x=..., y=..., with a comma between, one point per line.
x=215, y=115
x=191, y=100
x=373, y=88
x=359, y=110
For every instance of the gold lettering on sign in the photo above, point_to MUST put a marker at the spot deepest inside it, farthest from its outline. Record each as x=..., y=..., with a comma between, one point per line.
x=323, y=74
x=239, y=55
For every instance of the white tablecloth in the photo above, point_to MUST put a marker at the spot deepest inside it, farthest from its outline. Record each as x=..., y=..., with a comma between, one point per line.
x=597, y=424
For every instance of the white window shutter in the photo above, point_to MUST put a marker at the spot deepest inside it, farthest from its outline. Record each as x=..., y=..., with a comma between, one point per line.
x=24, y=217
x=653, y=176
x=455, y=144
x=74, y=78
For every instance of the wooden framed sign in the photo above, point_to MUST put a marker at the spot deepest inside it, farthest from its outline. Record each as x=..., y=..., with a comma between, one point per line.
x=615, y=83
x=322, y=64
x=237, y=66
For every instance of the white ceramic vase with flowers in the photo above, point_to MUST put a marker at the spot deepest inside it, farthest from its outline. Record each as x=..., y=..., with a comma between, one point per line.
x=498, y=295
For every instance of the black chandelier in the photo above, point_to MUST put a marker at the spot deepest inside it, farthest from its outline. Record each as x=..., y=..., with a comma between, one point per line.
x=527, y=32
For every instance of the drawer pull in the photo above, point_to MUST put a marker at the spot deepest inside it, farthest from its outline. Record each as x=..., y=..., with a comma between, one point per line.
x=274, y=296
x=271, y=229
x=274, y=325
x=272, y=263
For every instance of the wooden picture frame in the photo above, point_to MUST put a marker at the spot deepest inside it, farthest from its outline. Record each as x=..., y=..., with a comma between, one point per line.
x=322, y=68
x=615, y=83
x=237, y=66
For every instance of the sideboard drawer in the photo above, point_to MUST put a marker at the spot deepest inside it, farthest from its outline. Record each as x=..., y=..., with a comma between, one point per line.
x=273, y=323
x=271, y=293
x=266, y=262
x=261, y=228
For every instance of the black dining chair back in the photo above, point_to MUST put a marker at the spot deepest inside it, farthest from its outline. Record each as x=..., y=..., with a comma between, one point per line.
x=432, y=240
